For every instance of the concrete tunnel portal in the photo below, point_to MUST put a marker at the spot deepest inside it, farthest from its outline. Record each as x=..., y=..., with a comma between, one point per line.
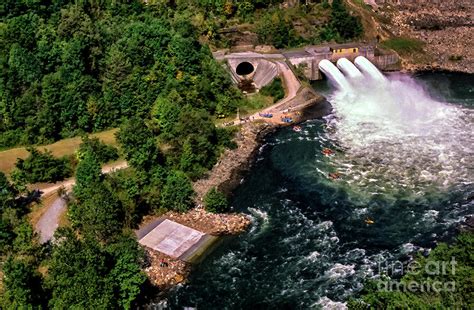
x=244, y=68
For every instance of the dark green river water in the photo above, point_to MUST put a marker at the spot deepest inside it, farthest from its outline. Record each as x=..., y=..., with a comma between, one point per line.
x=309, y=244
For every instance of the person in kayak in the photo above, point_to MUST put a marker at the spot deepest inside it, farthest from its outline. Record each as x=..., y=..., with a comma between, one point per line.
x=327, y=152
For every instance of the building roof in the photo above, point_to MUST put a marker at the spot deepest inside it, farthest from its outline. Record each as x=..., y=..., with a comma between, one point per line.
x=171, y=238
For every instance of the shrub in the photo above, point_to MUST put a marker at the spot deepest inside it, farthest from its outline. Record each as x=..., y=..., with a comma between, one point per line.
x=215, y=201
x=404, y=46
x=455, y=57
x=41, y=167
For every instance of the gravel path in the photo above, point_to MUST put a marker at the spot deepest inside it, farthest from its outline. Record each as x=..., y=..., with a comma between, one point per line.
x=49, y=222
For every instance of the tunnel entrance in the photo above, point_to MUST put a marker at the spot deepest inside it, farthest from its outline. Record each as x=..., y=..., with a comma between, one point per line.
x=244, y=68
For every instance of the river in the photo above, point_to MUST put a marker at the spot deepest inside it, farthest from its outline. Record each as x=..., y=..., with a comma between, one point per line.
x=324, y=223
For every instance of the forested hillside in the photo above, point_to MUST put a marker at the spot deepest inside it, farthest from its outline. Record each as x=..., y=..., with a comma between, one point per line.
x=71, y=67
x=68, y=68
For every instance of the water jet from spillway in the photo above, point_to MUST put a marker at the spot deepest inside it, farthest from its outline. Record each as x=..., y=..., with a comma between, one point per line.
x=368, y=68
x=349, y=69
x=398, y=135
x=333, y=73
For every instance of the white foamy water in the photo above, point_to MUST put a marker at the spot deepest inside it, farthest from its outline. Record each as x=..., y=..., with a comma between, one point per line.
x=394, y=137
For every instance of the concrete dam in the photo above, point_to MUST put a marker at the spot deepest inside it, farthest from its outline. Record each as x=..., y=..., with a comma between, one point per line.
x=260, y=69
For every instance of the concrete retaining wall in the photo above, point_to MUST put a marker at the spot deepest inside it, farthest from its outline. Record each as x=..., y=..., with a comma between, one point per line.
x=265, y=72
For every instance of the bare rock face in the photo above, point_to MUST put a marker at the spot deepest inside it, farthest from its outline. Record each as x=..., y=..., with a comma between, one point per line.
x=444, y=26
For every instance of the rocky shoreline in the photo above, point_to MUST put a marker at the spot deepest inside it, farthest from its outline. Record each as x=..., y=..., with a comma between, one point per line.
x=233, y=164
x=226, y=175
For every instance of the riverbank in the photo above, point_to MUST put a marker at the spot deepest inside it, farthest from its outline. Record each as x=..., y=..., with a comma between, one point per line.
x=228, y=172
x=226, y=175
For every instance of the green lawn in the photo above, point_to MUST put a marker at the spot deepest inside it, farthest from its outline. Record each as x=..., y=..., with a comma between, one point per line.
x=60, y=148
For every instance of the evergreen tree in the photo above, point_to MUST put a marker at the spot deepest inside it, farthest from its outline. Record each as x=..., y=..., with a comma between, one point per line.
x=216, y=201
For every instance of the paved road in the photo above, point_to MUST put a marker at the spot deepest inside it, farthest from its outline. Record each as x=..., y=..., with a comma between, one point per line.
x=49, y=221
x=292, y=86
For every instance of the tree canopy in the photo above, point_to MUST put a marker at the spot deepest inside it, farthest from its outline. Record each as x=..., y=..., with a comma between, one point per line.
x=74, y=67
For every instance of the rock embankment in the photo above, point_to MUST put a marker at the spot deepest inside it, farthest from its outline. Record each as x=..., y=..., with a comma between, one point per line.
x=232, y=165
x=211, y=223
x=165, y=272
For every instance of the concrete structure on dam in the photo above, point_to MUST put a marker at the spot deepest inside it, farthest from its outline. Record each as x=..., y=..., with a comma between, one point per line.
x=260, y=69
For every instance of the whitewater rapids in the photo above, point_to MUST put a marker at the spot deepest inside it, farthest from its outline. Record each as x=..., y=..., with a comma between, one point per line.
x=393, y=137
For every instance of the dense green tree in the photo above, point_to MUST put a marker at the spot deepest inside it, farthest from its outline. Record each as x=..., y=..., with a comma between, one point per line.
x=88, y=176
x=41, y=167
x=166, y=113
x=274, y=29
x=16, y=234
x=77, y=275
x=194, y=139
x=100, y=214
x=6, y=236
x=126, y=272
x=8, y=193
x=69, y=68
x=26, y=241
x=22, y=285
x=103, y=152
x=84, y=274
x=346, y=25
x=215, y=201
x=177, y=193
x=95, y=211
x=139, y=145
x=449, y=286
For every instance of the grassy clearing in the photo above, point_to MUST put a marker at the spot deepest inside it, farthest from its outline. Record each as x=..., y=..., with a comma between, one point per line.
x=61, y=148
x=404, y=46
x=255, y=103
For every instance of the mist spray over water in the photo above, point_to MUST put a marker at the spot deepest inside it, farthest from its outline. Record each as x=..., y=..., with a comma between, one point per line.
x=395, y=138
